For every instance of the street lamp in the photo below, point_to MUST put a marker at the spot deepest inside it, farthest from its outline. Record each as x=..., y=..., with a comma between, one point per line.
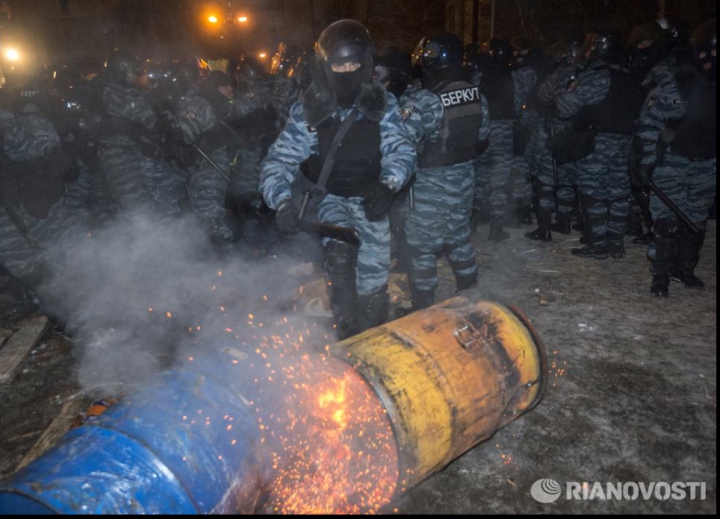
x=243, y=19
x=12, y=55
x=213, y=19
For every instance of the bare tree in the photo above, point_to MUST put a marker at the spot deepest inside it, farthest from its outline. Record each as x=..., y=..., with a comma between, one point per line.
x=402, y=24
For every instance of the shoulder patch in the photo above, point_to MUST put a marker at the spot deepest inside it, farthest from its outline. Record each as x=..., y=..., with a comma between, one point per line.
x=572, y=85
x=407, y=112
x=190, y=115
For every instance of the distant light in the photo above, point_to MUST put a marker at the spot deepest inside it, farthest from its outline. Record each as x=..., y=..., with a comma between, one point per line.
x=243, y=19
x=12, y=55
x=262, y=55
x=213, y=19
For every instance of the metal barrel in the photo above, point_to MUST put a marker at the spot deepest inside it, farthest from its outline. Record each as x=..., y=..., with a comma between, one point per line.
x=445, y=379
x=185, y=444
x=449, y=377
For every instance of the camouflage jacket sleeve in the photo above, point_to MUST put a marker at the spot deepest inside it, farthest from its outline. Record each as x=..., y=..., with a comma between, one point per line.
x=128, y=103
x=13, y=136
x=485, y=127
x=399, y=156
x=421, y=112
x=524, y=80
x=284, y=93
x=243, y=103
x=41, y=136
x=293, y=147
x=193, y=117
x=555, y=83
x=662, y=105
x=590, y=88
x=662, y=73
x=27, y=136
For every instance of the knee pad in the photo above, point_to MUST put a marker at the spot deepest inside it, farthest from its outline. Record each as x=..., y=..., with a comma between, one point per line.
x=340, y=257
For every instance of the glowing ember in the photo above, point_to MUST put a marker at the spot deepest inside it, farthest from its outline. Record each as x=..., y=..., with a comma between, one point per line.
x=332, y=448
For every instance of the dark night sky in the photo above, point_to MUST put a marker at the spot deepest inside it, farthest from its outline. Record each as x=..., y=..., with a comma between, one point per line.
x=94, y=26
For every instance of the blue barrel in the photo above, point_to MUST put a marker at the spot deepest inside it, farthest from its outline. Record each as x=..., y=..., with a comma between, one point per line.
x=185, y=444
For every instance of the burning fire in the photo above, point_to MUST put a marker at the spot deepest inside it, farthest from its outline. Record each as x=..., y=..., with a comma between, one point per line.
x=323, y=430
x=332, y=448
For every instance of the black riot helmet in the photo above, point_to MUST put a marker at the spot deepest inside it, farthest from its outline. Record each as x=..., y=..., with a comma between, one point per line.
x=438, y=53
x=677, y=40
x=121, y=66
x=677, y=33
x=392, y=68
x=248, y=69
x=346, y=41
x=501, y=54
x=605, y=44
x=343, y=43
x=285, y=59
x=646, y=47
x=67, y=77
x=704, y=43
x=155, y=72
x=524, y=52
x=185, y=72
x=574, y=43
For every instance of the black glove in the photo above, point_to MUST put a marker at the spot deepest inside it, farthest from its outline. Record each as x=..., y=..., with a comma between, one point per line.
x=288, y=218
x=378, y=200
x=641, y=175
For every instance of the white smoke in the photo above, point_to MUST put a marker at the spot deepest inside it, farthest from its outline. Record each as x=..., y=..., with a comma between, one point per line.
x=139, y=295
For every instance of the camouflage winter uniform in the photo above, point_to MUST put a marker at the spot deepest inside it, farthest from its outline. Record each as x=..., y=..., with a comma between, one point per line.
x=138, y=183
x=198, y=124
x=496, y=167
x=25, y=237
x=602, y=176
x=280, y=93
x=299, y=141
x=440, y=221
x=689, y=181
x=547, y=191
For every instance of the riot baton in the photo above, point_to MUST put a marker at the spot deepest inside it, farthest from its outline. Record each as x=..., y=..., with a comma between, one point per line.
x=556, y=170
x=233, y=132
x=674, y=208
x=211, y=162
x=344, y=234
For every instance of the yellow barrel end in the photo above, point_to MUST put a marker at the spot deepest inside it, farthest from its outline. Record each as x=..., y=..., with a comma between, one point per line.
x=449, y=377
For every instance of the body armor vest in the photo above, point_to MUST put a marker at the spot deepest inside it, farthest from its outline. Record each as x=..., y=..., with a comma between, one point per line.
x=460, y=126
x=498, y=88
x=358, y=161
x=619, y=110
x=696, y=133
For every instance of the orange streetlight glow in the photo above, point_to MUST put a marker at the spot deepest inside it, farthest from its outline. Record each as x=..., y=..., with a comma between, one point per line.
x=213, y=19
x=262, y=55
x=243, y=19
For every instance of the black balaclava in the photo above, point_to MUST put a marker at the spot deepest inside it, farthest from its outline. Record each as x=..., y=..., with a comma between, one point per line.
x=347, y=86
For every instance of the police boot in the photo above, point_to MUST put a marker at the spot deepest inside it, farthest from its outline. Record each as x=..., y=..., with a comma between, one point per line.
x=340, y=261
x=373, y=310
x=687, y=259
x=524, y=214
x=597, y=246
x=616, y=245
x=497, y=233
x=466, y=274
x=543, y=232
x=422, y=299
x=480, y=214
x=563, y=224
x=666, y=234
